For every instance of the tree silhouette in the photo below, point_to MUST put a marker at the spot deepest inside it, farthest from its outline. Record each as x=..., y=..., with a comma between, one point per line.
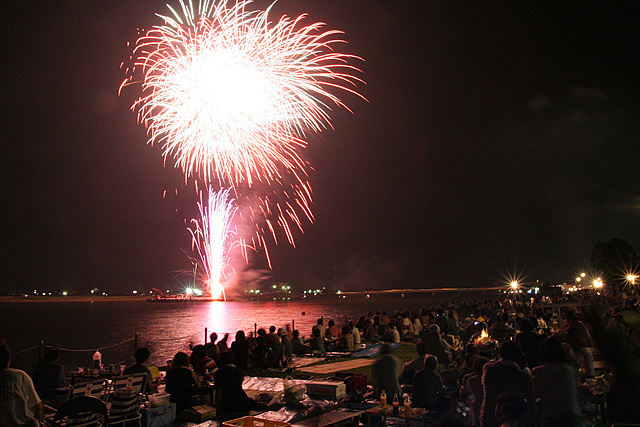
x=612, y=257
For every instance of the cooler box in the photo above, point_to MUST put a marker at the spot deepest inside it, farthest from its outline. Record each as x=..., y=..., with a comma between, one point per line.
x=159, y=417
x=331, y=390
x=354, y=382
x=253, y=422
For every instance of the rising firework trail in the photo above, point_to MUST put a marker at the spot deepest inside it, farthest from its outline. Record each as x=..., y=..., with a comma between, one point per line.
x=230, y=95
x=212, y=238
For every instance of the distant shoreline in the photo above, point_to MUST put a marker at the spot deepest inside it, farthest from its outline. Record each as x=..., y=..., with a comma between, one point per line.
x=87, y=298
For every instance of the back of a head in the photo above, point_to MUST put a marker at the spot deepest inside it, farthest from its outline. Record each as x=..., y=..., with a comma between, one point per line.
x=180, y=359
x=142, y=354
x=316, y=333
x=213, y=337
x=430, y=363
x=272, y=329
x=552, y=351
x=526, y=325
x=478, y=364
x=5, y=355
x=226, y=357
x=511, y=350
x=52, y=356
x=199, y=351
x=240, y=336
x=331, y=323
x=320, y=321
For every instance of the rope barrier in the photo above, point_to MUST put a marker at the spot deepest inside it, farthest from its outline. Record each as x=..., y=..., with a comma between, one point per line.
x=24, y=351
x=57, y=347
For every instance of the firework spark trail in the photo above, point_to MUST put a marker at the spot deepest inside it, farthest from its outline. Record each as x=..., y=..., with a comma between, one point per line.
x=230, y=95
x=212, y=236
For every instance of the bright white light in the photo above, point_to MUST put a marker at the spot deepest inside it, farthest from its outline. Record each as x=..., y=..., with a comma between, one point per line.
x=597, y=283
x=514, y=285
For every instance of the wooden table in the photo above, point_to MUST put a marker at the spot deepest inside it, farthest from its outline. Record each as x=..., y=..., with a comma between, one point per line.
x=387, y=411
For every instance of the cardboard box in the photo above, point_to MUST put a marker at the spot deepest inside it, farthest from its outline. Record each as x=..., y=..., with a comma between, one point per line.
x=198, y=414
x=354, y=382
x=253, y=422
x=331, y=390
x=159, y=417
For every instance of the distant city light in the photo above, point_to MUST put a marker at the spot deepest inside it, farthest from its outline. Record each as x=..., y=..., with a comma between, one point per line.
x=597, y=283
x=514, y=285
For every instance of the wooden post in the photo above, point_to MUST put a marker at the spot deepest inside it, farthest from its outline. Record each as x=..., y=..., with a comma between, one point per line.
x=205, y=334
x=255, y=330
x=293, y=325
x=135, y=341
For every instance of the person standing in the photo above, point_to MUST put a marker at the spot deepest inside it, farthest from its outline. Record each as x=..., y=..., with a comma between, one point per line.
x=20, y=405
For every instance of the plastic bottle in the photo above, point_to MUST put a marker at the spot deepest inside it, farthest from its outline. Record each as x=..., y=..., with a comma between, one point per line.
x=396, y=404
x=97, y=360
x=407, y=405
x=383, y=398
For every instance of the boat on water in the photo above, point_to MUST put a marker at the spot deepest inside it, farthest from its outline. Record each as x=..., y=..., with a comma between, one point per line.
x=187, y=297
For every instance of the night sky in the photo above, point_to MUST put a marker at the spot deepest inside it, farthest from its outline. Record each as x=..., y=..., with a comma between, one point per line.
x=498, y=138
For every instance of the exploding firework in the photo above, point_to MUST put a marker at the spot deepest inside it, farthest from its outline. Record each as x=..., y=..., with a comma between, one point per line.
x=230, y=95
x=212, y=238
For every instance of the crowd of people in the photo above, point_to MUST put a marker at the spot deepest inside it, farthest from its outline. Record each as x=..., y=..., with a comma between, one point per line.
x=508, y=362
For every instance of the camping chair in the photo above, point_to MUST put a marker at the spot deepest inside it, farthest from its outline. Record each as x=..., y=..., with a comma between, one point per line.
x=94, y=388
x=82, y=411
x=125, y=396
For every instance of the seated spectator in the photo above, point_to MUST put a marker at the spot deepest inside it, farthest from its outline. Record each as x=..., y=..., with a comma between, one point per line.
x=427, y=386
x=261, y=353
x=504, y=376
x=241, y=351
x=316, y=344
x=297, y=345
x=182, y=382
x=410, y=368
x=142, y=355
x=580, y=354
x=386, y=373
x=346, y=341
x=286, y=344
x=49, y=375
x=203, y=365
x=471, y=391
x=20, y=405
x=556, y=387
x=332, y=333
x=230, y=397
x=529, y=340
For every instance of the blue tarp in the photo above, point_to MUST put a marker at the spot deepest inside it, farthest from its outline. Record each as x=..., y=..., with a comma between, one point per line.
x=371, y=350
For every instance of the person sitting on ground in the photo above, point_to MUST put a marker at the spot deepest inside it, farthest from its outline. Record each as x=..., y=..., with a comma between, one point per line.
x=20, y=405
x=261, y=353
x=530, y=341
x=182, y=382
x=203, y=365
x=240, y=349
x=230, y=397
x=316, y=344
x=356, y=335
x=571, y=320
x=286, y=345
x=49, y=375
x=297, y=345
x=556, y=387
x=346, y=341
x=427, y=391
x=332, y=333
x=142, y=355
x=471, y=390
x=504, y=376
x=410, y=368
x=319, y=326
x=386, y=373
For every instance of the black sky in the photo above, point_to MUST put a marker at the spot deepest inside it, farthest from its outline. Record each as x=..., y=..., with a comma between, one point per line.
x=499, y=137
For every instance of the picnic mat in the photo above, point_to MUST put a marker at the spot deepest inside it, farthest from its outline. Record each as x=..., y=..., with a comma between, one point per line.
x=371, y=350
x=330, y=368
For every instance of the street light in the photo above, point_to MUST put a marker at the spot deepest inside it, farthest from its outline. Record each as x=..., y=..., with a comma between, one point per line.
x=597, y=283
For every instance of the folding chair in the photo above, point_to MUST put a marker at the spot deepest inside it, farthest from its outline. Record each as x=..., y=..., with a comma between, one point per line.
x=94, y=388
x=125, y=396
x=82, y=411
